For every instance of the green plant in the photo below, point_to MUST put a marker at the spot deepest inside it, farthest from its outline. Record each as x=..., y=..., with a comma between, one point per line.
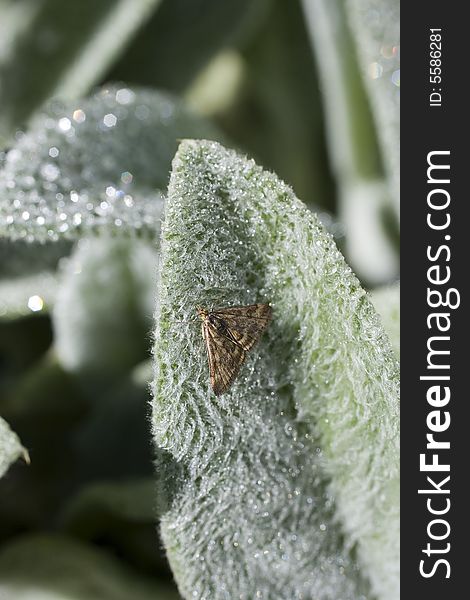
x=120, y=212
x=326, y=377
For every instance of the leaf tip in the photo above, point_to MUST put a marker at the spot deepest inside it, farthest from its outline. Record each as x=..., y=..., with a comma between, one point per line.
x=26, y=457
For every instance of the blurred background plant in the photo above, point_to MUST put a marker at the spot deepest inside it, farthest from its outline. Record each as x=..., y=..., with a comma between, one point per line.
x=309, y=88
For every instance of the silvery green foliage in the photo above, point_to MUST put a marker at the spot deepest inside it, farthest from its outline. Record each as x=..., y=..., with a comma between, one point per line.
x=346, y=110
x=387, y=303
x=51, y=48
x=259, y=485
x=27, y=276
x=354, y=152
x=375, y=26
x=46, y=567
x=104, y=304
x=21, y=296
x=10, y=447
x=94, y=164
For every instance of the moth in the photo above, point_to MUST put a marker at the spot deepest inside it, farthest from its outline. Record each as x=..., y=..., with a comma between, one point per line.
x=229, y=333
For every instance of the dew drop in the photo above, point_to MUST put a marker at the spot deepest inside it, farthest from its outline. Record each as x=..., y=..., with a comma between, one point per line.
x=375, y=70
x=125, y=96
x=35, y=303
x=110, y=120
x=79, y=115
x=65, y=124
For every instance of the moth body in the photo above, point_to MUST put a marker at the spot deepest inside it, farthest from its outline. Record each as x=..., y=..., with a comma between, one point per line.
x=229, y=333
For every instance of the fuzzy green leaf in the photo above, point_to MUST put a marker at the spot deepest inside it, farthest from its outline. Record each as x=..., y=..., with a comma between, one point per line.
x=94, y=164
x=104, y=304
x=262, y=482
x=10, y=447
x=56, y=568
x=47, y=48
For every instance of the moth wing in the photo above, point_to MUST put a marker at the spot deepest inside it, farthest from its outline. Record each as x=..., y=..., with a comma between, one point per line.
x=225, y=359
x=246, y=323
